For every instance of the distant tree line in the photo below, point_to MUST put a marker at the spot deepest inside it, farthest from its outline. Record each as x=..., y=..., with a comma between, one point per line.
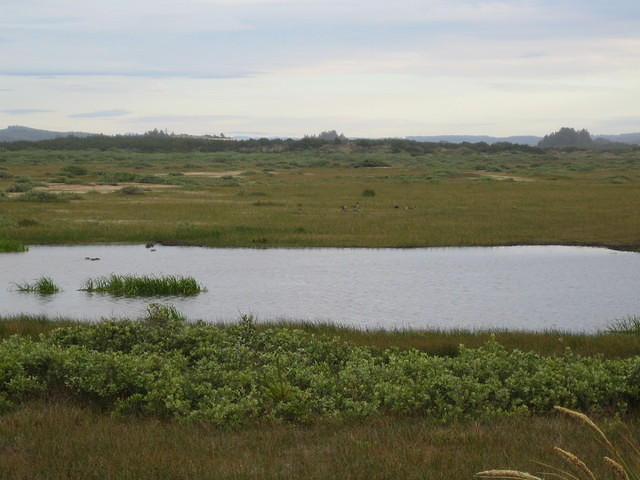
x=567, y=137
x=159, y=142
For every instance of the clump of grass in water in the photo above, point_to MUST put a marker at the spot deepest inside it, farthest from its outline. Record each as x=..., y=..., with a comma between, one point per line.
x=7, y=246
x=617, y=463
x=42, y=286
x=143, y=286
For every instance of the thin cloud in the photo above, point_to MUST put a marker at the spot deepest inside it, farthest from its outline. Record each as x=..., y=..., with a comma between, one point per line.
x=184, y=118
x=24, y=111
x=101, y=113
x=47, y=75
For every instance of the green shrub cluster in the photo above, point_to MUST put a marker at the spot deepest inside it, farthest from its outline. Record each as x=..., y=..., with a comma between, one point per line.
x=47, y=197
x=235, y=375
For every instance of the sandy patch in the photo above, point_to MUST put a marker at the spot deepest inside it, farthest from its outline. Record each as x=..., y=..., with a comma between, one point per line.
x=86, y=188
x=213, y=174
x=498, y=176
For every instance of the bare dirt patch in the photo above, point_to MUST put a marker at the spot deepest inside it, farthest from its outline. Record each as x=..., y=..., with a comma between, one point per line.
x=498, y=176
x=86, y=188
x=214, y=174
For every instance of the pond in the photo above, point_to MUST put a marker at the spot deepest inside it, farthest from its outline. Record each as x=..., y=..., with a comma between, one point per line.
x=524, y=288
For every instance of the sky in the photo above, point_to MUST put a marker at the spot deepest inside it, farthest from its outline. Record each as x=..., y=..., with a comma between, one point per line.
x=368, y=68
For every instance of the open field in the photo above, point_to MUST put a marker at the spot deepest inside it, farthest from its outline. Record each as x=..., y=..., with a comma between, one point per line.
x=453, y=197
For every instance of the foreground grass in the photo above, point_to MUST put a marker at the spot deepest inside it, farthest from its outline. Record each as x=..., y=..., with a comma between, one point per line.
x=143, y=285
x=58, y=439
x=622, y=459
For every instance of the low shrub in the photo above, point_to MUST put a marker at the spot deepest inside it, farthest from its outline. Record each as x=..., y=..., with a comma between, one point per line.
x=20, y=187
x=74, y=170
x=46, y=197
x=27, y=222
x=131, y=190
x=238, y=374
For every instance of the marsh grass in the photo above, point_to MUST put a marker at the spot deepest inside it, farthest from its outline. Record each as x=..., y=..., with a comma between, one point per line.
x=32, y=325
x=143, y=286
x=569, y=200
x=447, y=342
x=622, y=461
x=41, y=286
x=59, y=439
x=7, y=246
x=441, y=343
x=628, y=326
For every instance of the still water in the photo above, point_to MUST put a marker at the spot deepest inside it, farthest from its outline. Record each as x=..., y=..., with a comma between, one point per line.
x=529, y=287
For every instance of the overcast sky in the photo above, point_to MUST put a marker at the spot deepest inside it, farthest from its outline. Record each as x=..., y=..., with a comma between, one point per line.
x=370, y=68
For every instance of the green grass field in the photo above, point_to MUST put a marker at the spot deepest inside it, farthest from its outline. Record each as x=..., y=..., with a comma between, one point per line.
x=260, y=200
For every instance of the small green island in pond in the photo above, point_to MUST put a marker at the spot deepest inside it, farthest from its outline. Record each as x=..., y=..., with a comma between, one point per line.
x=143, y=285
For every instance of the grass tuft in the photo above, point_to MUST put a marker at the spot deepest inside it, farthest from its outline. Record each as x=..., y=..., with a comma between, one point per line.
x=42, y=286
x=143, y=286
x=7, y=246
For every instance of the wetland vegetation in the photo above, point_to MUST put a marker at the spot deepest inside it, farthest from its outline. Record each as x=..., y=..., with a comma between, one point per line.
x=41, y=286
x=161, y=398
x=143, y=285
x=433, y=195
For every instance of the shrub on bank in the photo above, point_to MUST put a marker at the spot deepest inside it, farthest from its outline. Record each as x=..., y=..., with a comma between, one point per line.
x=230, y=376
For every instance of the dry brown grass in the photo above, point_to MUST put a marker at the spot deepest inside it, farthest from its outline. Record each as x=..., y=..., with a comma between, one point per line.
x=57, y=439
x=622, y=465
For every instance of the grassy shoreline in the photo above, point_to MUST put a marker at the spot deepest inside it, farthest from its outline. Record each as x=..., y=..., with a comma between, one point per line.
x=434, y=341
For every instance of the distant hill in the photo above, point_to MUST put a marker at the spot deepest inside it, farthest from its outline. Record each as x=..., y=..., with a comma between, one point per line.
x=521, y=139
x=16, y=133
x=621, y=138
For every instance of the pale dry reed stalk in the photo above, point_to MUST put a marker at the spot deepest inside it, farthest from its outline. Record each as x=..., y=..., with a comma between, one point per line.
x=574, y=461
x=618, y=469
x=507, y=474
